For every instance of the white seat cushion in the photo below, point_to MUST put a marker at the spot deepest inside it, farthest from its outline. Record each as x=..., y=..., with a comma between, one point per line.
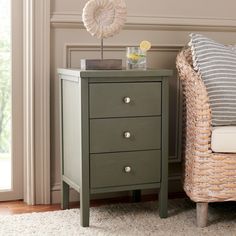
x=224, y=139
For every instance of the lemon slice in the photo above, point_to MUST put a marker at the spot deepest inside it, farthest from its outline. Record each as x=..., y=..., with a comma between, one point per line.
x=145, y=45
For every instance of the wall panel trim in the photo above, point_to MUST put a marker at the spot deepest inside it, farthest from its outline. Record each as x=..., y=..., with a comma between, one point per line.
x=74, y=195
x=70, y=48
x=181, y=23
x=36, y=101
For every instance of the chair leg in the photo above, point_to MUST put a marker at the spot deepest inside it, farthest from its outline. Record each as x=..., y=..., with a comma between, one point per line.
x=202, y=214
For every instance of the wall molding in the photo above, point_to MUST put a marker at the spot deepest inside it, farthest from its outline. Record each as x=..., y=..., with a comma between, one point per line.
x=28, y=101
x=74, y=20
x=42, y=100
x=36, y=101
x=69, y=48
x=74, y=195
x=57, y=186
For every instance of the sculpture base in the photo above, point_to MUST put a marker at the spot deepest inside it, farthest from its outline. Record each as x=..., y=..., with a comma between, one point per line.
x=99, y=64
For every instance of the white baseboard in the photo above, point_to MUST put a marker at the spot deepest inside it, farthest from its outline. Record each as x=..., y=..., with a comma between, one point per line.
x=74, y=196
x=174, y=186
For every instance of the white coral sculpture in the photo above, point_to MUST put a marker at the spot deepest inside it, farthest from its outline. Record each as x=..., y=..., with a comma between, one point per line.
x=104, y=18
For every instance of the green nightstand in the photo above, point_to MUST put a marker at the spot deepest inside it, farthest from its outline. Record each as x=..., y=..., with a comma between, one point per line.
x=114, y=133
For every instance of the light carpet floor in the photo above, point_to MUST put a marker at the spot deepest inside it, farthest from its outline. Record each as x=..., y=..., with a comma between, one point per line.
x=124, y=219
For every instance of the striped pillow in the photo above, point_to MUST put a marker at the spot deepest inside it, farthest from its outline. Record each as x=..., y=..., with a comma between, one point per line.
x=216, y=64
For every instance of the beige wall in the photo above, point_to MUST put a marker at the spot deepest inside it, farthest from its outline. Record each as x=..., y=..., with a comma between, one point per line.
x=165, y=23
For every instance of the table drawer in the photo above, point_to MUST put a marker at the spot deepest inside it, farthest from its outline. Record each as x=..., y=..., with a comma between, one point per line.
x=125, y=99
x=125, y=134
x=117, y=169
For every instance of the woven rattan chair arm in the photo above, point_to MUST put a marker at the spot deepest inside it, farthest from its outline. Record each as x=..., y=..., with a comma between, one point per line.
x=196, y=108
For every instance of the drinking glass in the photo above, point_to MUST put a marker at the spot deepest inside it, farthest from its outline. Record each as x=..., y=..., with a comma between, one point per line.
x=136, y=58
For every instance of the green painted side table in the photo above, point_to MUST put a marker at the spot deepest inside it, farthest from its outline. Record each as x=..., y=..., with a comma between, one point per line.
x=114, y=133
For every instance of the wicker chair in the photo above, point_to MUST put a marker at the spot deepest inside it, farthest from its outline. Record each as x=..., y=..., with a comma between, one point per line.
x=208, y=176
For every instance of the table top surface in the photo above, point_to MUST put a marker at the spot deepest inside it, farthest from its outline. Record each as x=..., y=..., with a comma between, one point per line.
x=114, y=73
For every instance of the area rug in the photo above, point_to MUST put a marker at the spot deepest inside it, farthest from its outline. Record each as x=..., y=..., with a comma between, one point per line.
x=124, y=220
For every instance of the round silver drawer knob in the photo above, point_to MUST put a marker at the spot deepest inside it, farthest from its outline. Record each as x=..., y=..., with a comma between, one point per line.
x=127, y=100
x=127, y=134
x=127, y=169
